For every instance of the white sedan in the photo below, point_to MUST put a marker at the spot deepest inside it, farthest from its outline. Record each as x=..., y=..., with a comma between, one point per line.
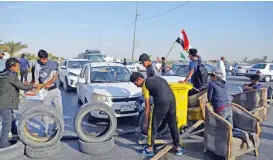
x=69, y=71
x=108, y=83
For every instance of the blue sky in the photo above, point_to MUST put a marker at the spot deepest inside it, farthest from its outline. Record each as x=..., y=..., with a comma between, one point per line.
x=230, y=29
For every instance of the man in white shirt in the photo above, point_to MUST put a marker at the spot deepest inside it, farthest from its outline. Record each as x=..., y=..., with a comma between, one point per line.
x=221, y=66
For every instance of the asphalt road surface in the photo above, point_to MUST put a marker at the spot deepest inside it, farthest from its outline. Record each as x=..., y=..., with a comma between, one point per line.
x=126, y=147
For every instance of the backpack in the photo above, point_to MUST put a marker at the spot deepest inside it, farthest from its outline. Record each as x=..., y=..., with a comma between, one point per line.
x=200, y=77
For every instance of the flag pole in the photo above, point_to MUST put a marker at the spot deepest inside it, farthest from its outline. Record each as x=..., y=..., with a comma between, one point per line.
x=170, y=49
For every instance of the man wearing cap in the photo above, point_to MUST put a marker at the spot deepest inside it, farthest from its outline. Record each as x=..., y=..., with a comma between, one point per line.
x=221, y=66
x=195, y=60
x=218, y=97
x=150, y=67
x=164, y=106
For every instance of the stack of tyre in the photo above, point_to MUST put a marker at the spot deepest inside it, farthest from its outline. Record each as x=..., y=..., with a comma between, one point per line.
x=96, y=145
x=40, y=147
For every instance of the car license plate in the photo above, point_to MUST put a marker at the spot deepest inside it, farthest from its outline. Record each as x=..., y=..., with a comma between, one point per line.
x=127, y=108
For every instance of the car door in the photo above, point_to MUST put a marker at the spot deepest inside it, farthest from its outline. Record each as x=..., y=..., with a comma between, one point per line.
x=87, y=86
x=271, y=70
x=80, y=86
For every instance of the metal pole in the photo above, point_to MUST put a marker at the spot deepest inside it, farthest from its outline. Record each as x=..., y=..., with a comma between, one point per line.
x=134, y=34
x=170, y=50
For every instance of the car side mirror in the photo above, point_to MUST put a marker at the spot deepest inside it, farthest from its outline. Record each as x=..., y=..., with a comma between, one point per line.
x=63, y=67
x=82, y=80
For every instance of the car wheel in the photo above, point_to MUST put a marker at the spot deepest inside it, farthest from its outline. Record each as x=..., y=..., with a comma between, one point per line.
x=162, y=129
x=267, y=79
x=67, y=88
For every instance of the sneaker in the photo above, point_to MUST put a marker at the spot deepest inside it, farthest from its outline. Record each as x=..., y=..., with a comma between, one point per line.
x=146, y=152
x=180, y=151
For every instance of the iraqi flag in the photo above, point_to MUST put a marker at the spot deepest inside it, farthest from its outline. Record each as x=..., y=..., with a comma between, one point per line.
x=183, y=41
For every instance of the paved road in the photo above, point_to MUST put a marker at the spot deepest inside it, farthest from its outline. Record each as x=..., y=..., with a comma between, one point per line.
x=126, y=146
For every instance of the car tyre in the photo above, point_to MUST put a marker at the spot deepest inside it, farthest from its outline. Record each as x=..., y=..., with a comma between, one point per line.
x=43, y=152
x=14, y=151
x=96, y=148
x=40, y=110
x=267, y=79
x=86, y=109
x=162, y=129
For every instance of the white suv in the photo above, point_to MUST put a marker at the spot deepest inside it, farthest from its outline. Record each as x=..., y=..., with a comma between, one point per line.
x=265, y=70
x=69, y=71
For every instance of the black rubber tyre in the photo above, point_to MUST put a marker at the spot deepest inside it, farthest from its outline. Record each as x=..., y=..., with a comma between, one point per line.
x=26, y=104
x=15, y=151
x=97, y=148
x=162, y=129
x=43, y=152
x=85, y=109
x=40, y=142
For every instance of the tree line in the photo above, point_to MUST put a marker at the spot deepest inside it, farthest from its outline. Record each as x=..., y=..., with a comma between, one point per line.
x=256, y=60
x=13, y=48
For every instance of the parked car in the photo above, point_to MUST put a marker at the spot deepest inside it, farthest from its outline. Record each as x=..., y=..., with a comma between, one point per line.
x=130, y=65
x=265, y=70
x=140, y=67
x=108, y=83
x=240, y=68
x=69, y=71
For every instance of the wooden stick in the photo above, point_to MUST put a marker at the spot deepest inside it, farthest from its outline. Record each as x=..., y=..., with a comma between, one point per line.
x=162, y=152
x=185, y=134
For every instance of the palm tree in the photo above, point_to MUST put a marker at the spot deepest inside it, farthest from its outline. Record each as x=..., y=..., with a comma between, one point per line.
x=3, y=47
x=30, y=56
x=13, y=47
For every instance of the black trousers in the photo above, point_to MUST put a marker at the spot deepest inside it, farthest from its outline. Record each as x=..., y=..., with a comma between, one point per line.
x=23, y=73
x=163, y=109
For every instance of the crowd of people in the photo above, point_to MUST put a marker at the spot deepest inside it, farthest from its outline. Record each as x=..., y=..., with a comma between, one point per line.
x=45, y=74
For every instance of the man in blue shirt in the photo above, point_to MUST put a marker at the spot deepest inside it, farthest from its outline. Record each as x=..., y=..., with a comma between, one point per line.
x=46, y=72
x=195, y=60
x=24, y=66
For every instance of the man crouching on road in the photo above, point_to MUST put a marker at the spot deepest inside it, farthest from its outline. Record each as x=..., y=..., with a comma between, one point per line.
x=9, y=98
x=164, y=106
x=43, y=71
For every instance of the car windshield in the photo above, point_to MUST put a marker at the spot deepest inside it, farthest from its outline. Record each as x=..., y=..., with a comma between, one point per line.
x=76, y=64
x=243, y=64
x=259, y=66
x=175, y=67
x=95, y=57
x=110, y=74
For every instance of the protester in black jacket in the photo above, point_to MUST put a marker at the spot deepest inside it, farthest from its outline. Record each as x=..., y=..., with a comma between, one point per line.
x=9, y=96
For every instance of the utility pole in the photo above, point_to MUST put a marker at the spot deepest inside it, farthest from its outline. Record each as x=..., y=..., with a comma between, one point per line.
x=134, y=33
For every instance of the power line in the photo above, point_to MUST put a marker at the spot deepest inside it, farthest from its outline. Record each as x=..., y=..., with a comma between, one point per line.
x=165, y=11
x=131, y=25
x=133, y=51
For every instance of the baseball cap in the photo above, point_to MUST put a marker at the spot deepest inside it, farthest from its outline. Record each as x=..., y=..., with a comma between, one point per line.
x=193, y=51
x=2, y=52
x=143, y=57
x=216, y=72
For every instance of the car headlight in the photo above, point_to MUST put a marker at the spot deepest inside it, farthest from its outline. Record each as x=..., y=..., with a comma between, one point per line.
x=72, y=74
x=99, y=97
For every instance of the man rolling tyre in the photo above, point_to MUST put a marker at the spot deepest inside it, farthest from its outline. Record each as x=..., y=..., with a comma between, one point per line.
x=164, y=106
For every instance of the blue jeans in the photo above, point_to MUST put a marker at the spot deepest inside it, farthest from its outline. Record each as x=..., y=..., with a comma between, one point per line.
x=227, y=115
x=6, y=117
